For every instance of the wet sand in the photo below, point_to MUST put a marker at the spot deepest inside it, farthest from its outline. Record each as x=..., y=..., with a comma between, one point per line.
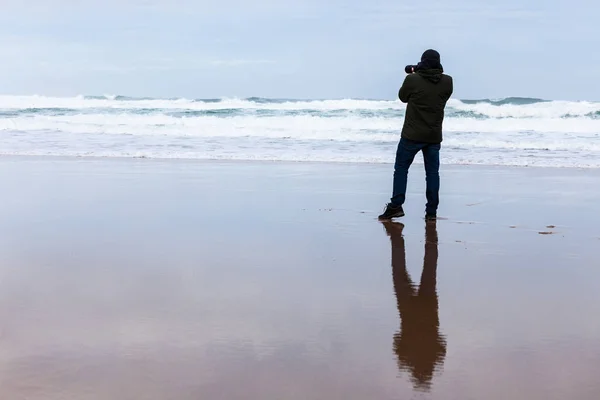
x=144, y=279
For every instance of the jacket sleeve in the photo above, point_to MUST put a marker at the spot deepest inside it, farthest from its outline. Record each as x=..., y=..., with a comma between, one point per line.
x=405, y=90
x=450, y=89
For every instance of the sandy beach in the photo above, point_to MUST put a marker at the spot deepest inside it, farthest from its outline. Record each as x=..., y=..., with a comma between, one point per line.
x=164, y=279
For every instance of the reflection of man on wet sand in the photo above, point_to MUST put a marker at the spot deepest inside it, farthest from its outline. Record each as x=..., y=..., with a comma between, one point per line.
x=419, y=345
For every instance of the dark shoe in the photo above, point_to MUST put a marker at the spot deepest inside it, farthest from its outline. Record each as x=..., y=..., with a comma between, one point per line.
x=392, y=211
x=430, y=217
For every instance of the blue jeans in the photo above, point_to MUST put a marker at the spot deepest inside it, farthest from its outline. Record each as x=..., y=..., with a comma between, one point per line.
x=407, y=150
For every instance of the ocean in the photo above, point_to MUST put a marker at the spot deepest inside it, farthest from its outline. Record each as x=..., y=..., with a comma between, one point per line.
x=512, y=131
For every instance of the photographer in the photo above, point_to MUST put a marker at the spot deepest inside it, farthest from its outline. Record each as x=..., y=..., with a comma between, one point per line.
x=426, y=89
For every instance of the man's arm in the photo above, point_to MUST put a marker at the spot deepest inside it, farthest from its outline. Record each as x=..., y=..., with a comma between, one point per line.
x=450, y=89
x=405, y=90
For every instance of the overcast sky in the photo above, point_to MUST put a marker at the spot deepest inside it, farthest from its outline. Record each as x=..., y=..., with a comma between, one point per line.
x=297, y=48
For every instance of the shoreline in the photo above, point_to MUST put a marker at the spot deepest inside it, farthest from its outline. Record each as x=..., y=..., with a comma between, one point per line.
x=16, y=157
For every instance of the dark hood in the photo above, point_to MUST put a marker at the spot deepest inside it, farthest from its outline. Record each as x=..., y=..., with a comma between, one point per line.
x=431, y=74
x=430, y=66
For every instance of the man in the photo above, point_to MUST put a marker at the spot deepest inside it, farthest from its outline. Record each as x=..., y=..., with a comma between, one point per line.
x=426, y=91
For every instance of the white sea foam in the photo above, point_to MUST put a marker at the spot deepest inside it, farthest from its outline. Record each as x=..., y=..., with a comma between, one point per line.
x=510, y=132
x=549, y=109
x=80, y=102
x=554, y=109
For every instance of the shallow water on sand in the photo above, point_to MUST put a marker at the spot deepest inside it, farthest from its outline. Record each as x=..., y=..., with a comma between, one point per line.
x=152, y=280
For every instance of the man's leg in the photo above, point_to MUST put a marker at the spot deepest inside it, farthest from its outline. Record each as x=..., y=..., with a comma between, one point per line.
x=405, y=155
x=431, y=157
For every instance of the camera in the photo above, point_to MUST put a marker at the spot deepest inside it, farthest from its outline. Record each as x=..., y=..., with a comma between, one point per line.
x=409, y=69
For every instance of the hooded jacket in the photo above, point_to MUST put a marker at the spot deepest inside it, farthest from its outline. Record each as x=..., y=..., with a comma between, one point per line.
x=426, y=92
